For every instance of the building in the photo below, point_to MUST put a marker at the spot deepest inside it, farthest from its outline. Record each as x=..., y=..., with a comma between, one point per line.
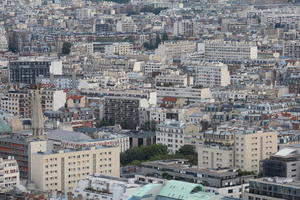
x=189, y=95
x=171, y=134
x=222, y=51
x=105, y=187
x=273, y=189
x=292, y=49
x=26, y=71
x=10, y=175
x=174, y=190
x=153, y=66
x=3, y=40
x=22, y=147
x=121, y=48
x=184, y=28
x=19, y=102
x=285, y=163
x=243, y=149
x=208, y=74
x=174, y=50
x=62, y=170
x=123, y=111
x=215, y=156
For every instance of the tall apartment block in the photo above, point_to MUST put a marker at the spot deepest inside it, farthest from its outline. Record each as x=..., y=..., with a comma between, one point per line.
x=291, y=49
x=26, y=71
x=9, y=174
x=62, y=170
x=123, y=111
x=244, y=150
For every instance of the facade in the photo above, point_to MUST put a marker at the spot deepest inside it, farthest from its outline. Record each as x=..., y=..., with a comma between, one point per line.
x=62, y=170
x=26, y=71
x=171, y=134
x=105, y=187
x=152, y=67
x=209, y=74
x=273, y=189
x=292, y=49
x=10, y=175
x=122, y=48
x=215, y=156
x=19, y=102
x=190, y=95
x=168, y=51
x=239, y=150
x=123, y=111
x=3, y=40
x=220, y=50
x=224, y=181
x=285, y=163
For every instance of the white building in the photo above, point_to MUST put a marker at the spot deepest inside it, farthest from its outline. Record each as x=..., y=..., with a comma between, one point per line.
x=221, y=50
x=208, y=74
x=102, y=187
x=168, y=51
x=121, y=48
x=189, y=94
x=3, y=40
x=9, y=174
x=153, y=66
x=126, y=25
x=171, y=134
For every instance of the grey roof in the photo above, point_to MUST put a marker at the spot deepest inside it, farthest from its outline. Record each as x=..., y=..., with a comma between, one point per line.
x=63, y=135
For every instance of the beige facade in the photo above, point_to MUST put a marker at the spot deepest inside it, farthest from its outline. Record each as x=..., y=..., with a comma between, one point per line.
x=9, y=174
x=244, y=153
x=215, y=156
x=62, y=170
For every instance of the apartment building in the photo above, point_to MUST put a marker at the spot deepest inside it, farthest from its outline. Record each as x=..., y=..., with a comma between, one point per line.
x=174, y=79
x=19, y=102
x=215, y=156
x=292, y=49
x=221, y=50
x=26, y=71
x=184, y=28
x=169, y=51
x=243, y=149
x=121, y=48
x=123, y=111
x=171, y=134
x=126, y=26
x=10, y=175
x=151, y=67
x=208, y=74
x=3, y=40
x=190, y=95
x=62, y=170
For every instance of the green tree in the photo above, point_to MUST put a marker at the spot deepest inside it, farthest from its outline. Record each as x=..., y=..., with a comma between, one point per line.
x=66, y=48
x=165, y=36
x=186, y=150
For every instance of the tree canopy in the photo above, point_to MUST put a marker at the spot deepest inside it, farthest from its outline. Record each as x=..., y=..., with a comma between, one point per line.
x=66, y=48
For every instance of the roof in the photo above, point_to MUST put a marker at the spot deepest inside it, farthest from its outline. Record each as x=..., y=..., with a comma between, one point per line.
x=62, y=135
x=178, y=190
x=75, y=97
x=286, y=152
x=4, y=127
